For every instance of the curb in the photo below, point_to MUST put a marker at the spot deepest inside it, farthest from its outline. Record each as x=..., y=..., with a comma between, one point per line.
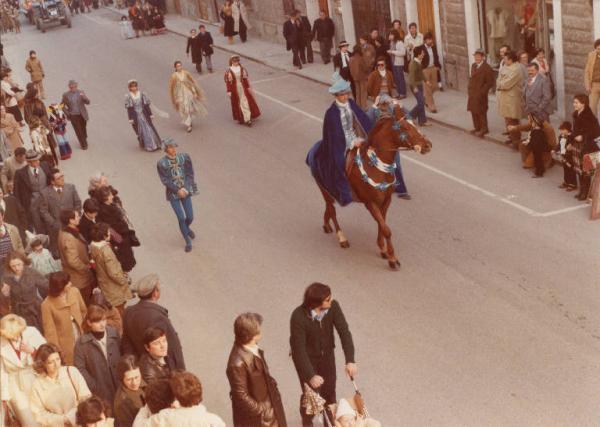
x=297, y=74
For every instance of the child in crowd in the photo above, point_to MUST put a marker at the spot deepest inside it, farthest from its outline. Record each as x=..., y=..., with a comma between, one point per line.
x=41, y=259
x=564, y=154
x=39, y=139
x=58, y=121
x=126, y=28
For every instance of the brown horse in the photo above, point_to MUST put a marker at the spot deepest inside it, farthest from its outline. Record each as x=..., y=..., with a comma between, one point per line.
x=373, y=186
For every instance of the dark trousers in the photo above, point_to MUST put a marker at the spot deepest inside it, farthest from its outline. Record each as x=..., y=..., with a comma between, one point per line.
x=325, y=47
x=80, y=127
x=324, y=367
x=569, y=176
x=296, y=51
x=480, y=122
x=538, y=148
x=418, y=111
x=243, y=31
x=199, y=67
x=309, y=50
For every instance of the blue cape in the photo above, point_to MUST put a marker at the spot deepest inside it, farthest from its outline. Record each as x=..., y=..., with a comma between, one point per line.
x=327, y=160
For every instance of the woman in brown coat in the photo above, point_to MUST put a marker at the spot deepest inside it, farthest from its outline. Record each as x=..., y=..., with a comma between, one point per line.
x=74, y=254
x=359, y=70
x=63, y=312
x=11, y=129
x=112, y=280
x=254, y=395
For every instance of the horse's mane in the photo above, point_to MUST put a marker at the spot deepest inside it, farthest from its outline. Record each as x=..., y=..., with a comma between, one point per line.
x=383, y=121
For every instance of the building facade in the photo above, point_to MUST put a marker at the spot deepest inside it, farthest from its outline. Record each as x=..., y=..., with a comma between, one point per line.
x=565, y=29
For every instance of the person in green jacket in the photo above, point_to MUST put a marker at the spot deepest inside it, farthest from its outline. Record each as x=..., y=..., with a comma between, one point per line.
x=416, y=80
x=312, y=343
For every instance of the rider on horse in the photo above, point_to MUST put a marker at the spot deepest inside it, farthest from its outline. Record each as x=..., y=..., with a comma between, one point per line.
x=345, y=127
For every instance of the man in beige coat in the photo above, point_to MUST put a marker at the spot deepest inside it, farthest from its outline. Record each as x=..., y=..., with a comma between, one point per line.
x=73, y=251
x=509, y=95
x=592, y=77
x=36, y=70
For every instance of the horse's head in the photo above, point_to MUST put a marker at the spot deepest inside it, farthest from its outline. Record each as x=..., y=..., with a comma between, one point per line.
x=394, y=132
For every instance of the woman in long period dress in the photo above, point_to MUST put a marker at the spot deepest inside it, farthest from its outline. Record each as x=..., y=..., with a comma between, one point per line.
x=187, y=96
x=243, y=104
x=140, y=117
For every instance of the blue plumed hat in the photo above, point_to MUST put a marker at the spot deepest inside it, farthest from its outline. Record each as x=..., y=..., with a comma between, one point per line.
x=339, y=84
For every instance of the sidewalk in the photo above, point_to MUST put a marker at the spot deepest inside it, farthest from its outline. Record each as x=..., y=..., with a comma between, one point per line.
x=452, y=104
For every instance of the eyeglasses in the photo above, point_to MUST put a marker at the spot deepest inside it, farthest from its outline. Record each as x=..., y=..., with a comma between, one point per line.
x=381, y=65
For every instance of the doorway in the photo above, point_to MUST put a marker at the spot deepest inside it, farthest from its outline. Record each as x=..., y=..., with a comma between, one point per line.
x=426, y=16
x=373, y=14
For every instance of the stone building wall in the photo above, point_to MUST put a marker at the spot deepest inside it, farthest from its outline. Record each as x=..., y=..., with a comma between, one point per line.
x=578, y=41
x=454, y=41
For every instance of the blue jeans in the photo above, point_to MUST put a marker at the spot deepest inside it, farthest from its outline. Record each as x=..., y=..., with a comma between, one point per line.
x=400, y=184
x=398, y=71
x=185, y=215
x=418, y=112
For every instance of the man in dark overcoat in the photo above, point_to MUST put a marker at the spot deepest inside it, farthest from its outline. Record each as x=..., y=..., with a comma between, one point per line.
x=148, y=313
x=293, y=31
x=193, y=48
x=307, y=36
x=480, y=84
x=205, y=41
x=29, y=182
x=55, y=198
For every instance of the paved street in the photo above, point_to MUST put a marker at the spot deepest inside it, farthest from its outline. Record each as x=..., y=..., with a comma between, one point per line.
x=493, y=319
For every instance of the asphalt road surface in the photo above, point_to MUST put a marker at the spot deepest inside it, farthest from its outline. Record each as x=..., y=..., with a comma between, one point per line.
x=493, y=319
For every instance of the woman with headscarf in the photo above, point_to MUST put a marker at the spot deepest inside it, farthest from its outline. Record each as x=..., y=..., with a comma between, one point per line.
x=186, y=95
x=140, y=116
x=243, y=104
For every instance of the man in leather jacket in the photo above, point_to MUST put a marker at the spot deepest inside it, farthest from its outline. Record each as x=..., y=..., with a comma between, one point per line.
x=255, y=399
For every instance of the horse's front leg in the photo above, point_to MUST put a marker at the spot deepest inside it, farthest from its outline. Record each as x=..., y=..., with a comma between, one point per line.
x=385, y=233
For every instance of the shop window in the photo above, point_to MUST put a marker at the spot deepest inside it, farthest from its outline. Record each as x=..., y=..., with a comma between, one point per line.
x=524, y=25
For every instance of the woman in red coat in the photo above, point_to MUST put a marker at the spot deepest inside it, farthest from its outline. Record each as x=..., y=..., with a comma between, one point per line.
x=243, y=105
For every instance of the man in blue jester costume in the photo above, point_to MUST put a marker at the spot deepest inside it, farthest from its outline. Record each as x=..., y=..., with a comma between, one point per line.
x=345, y=126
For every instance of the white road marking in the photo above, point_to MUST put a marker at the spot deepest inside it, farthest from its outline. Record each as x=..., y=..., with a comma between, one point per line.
x=270, y=79
x=291, y=107
x=490, y=194
x=564, y=210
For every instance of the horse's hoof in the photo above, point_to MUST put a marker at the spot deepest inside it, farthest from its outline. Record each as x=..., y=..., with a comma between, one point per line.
x=345, y=244
x=327, y=229
x=383, y=255
x=394, y=265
